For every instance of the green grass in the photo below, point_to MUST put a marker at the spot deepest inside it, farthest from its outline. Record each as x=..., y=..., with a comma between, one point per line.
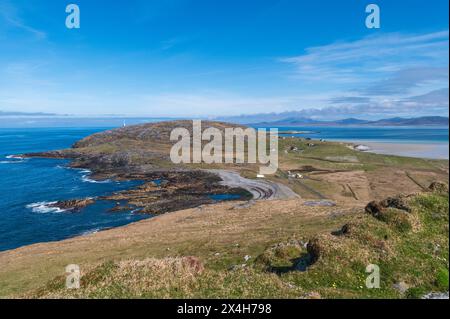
x=367, y=160
x=416, y=255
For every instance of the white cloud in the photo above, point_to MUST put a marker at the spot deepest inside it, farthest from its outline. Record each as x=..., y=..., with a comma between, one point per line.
x=389, y=74
x=372, y=57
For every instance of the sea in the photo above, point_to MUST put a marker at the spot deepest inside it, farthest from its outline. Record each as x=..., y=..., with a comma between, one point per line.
x=28, y=186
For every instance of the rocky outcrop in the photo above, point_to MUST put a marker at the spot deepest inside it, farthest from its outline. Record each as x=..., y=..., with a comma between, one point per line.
x=315, y=248
x=168, y=191
x=399, y=202
x=394, y=211
x=73, y=204
x=374, y=208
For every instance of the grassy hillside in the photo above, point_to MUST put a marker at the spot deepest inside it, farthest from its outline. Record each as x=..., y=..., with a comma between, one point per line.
x=411, y=249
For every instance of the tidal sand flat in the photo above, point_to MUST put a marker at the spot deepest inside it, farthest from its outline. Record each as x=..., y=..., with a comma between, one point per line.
x=430, y=150
x=421, y=141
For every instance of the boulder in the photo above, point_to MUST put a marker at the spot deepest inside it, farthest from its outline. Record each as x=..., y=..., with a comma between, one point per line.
x=315, y=249
x=398, y=202
x=374, y=208
x=347, y=229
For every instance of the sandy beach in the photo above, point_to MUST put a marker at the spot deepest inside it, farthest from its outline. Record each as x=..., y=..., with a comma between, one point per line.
x=421, y=150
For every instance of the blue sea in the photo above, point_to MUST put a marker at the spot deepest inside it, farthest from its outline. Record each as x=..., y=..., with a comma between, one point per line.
x=425, y=142
x=403, y=134
x=27, y=186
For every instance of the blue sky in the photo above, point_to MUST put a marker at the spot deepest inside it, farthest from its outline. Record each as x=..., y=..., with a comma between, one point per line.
x=211, y=58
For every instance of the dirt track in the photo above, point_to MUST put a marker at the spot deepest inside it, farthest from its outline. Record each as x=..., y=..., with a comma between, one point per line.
x=260, y=188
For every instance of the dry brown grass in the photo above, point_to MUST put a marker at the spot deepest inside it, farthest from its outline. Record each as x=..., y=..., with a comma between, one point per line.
x=225, y=228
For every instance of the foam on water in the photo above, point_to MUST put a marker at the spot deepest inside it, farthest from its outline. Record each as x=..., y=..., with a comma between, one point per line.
x=44, y=208
x=85, y=177
x=13, y=159
x=14, y=156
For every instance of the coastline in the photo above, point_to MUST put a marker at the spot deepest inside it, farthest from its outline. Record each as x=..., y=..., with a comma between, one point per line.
x=426, y=150
x=184, y=220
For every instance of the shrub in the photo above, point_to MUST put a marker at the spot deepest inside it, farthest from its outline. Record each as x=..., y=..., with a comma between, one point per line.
x=442, y=279
x=415, y=292
x=396, y=218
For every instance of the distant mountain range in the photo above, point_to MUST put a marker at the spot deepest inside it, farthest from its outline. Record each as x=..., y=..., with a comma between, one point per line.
x=3, y=113
x=276, y=119
x=302, y=121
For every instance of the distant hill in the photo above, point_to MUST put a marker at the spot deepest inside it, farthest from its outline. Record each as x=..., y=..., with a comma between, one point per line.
x=396, y=121
x=3, y=113
x=425, y=120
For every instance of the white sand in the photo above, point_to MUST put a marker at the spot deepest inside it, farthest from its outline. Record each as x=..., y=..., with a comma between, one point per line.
x=422, y=150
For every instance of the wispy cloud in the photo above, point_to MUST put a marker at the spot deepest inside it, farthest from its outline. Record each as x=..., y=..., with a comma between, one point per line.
x=379, y=75
x=405, y=80
x=370, y=57
x=10, y=14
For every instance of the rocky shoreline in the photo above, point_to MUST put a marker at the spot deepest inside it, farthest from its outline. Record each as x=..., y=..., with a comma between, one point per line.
x=142, y=153
x=162, y=191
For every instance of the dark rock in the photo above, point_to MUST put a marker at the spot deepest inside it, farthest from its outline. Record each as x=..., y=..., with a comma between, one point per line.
x=346, y=229
x=398, y=202
x=73, y=204
x=314, y=249
x=119, y=208
x=374, y=208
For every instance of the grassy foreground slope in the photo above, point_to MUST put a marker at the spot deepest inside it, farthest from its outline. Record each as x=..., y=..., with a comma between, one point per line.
x=206, y=257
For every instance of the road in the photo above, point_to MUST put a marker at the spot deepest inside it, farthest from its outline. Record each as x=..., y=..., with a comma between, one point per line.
x=259, y=188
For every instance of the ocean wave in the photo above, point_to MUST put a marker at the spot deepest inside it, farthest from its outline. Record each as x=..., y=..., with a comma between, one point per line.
x=13, y=159
x=85, y=177
x=43, y=208
x=10, y=162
